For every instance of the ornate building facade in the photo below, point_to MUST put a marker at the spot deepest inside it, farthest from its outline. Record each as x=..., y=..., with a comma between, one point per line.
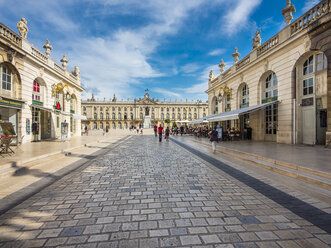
x=121, y=114
x=282, y=89
x=36, y=93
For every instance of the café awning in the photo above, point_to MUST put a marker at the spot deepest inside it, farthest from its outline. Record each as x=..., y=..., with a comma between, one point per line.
x=234, y=114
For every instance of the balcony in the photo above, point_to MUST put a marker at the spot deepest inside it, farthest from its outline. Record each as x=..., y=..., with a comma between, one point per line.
x=270, y=99
x=244, y=105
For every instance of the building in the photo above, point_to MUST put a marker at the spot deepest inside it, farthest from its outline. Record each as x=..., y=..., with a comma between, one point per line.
x=121, y=114
x=36, y=93
x=282, y=89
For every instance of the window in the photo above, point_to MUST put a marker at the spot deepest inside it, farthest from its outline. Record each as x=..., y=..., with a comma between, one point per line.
x=162, y=116
x=195, y=116
x=178, y=116
x=141, y=109
x=107, y=125
x=141, y=115
x=125, y=125
x=125, y=109
x=125, y=117
x=95, y=108
x=120, y=125
x=321, y=62
x=308, y=86
x=195, y=109
x=190, y=116
x=113, y=116
x=153, y=116
x=162, y=109
x=101, y=125
x=178, y=109
x=244, y=102
x=131, y=116
x=101, y=108
x=168, y=116
x=184, y=116
x=308, y=66
x=101, y=116
x=95, y=116
x=95, y=126
x=271, y=89
x=167, y=109
x=119, y=116
x=6, y=78
x=107, y=116
x=131, y=109
x=113, y=125
x=119, y=108
x=84, y=113
x=72, y=105
x=204, y=115
x=227, y=103
x=36, y=92
x=113, y=108
x=173, y=116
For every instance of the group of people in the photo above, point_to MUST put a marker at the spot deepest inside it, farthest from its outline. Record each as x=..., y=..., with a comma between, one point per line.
x=138, y=129
x=159, y=130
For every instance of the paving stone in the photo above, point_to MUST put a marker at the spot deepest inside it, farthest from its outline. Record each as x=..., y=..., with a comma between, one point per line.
x=50, y=233
x=178, y=231
x=77, y=239
x=190, y=240
x=150, y=243
x=210, y=239
x=98, y=238
x=56, y=241
x=169, y=242
x=72, y=231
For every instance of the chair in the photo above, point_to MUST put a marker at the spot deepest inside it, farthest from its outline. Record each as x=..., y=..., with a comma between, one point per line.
x=5, y=145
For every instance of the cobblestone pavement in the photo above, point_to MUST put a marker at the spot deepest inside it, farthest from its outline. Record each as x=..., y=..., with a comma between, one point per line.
x=149, y=194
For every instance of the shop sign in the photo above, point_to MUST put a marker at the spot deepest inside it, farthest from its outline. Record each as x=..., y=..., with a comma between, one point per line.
x=64, y=131
x=37, y=103
x=57, y=106
x=10, y=103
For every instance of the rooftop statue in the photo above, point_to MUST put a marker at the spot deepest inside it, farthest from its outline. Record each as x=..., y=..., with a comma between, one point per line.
x=288, y=11
x=257, y=40
x=23, y=28
x=211, y=75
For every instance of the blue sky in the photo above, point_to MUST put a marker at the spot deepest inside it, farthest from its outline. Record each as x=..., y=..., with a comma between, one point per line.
x=168, y=46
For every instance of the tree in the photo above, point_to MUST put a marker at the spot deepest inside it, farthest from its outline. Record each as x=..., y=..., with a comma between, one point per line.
x=167, y=120
x=174, y=124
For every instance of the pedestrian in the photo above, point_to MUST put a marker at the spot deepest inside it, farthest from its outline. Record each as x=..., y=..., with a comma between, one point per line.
x=141, y=131
x=181, y=130
x=137, y=129
x=160, y=130
x=213, y=138
x=167, y=133
x=155, y=130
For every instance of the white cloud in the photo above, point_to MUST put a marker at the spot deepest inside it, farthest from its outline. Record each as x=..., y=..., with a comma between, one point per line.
x=238, y=16
x=190, y=68
x=166, y=93
x=309, y=4
x=217, y=52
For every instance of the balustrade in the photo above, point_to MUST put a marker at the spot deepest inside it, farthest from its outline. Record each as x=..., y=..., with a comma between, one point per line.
x=310, y=16
x=266, y=46
x=38, y=54
x=243, y=62
x=10, y=35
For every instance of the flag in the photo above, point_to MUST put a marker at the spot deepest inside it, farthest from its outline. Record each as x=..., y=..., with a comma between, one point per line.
x=147, y=90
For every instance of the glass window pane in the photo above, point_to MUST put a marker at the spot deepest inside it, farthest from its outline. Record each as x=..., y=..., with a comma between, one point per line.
x=305, y=91
x=311, y=90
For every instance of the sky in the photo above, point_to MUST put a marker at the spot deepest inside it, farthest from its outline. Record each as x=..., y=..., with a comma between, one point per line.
x=124, y=47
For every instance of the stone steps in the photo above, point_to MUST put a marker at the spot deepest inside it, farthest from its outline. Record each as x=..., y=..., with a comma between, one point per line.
x=313, y=177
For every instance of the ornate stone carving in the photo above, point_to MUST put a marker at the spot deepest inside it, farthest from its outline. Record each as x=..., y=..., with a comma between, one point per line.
x=211, y=75
x=23, y=28
x=76, y=71
x=11, y=54
x=235, y=55
x=288, y=11
x=41, y=71
x=47, y=47
x=221, y=66
x=257, y=40
x=64, y=61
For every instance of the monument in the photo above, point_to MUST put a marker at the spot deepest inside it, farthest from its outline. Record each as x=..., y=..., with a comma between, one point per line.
x=147, y=120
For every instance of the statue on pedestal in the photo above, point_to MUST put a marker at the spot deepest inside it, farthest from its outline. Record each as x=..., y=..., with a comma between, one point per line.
x=147, y=111
x=23, y=28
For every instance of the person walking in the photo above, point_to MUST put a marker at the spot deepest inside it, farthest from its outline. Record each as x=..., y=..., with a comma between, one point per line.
x=167, y=133
x=160, y=130
x=155, y=130
x=213, y=138
x=181, y=130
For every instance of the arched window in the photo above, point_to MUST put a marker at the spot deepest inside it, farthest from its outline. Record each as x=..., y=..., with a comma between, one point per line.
x=178, y=109
x=101, y=116
x=107, y=116
x=6, y=78
x=271, y=86
x=308, y=66
x=101, y=108
x=173, y=109
x=173, y=116
x=227, y=103
x=141, y=109
x=113, y=125
x=195, y=109
x=95, y=108
x=101, y=125
x=178, y=116
x=162, y=109
x=195, y=116
x=36, y=92
x=153, y=116
x=120, y=125
x=184, y=116
x=95, y=125
x=168, y=116
x=113, y=116
x=95, y=116
x=131, y=109
x=84, y=113
x=119, y=108
x=204, y=115
x=107, y=125
x=125, y=125
x=141, y=115
x=113, y=108
x=244, y=97
x=125, y=117
x=125, y=109
x=131, y=116
x=119, y=116
x=167, y=109
x=190, y=116
x=162, y=116
x=152, y=108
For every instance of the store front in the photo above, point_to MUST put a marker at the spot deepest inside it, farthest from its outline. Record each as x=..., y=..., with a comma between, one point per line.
x=10, y=111
x=41, y=125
